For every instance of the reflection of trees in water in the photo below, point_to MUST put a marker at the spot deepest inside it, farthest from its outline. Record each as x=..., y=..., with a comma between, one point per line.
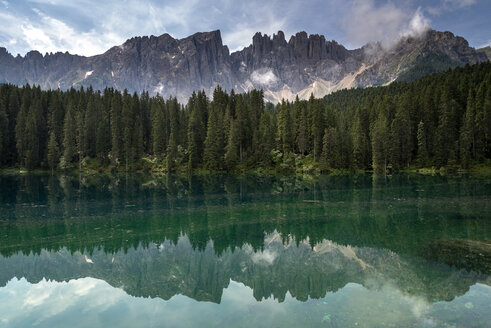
x=168, y=269
x=268, y=232
x=399, y=213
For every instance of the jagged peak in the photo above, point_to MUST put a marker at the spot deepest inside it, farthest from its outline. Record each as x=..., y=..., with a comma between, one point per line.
x=215, y=34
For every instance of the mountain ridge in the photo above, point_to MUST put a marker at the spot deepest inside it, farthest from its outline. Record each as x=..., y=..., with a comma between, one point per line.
x=284, y=69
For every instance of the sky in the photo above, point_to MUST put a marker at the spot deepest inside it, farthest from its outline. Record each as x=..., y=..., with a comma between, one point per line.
x=90, y=27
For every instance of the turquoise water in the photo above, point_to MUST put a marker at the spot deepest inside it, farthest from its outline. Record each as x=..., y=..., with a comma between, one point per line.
x=208, y=251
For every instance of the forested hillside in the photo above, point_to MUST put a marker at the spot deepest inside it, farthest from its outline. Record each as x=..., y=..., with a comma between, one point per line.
x=439, y=120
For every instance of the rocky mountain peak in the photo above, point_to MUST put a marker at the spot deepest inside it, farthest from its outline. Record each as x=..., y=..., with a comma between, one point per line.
x=302, y=65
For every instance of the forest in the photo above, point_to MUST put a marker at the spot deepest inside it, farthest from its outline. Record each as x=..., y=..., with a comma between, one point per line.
x=440, y=120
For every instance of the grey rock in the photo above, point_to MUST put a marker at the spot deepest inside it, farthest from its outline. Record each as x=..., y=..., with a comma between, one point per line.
x=176, y=67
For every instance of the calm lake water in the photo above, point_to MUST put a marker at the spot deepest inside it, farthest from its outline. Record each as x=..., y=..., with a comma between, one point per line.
x=248, y=251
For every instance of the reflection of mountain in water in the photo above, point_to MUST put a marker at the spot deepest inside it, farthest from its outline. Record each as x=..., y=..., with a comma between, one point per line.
x=165, y=270
x=275, y=235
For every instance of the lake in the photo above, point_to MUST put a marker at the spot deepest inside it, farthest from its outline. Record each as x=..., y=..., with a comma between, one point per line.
x=245, y=251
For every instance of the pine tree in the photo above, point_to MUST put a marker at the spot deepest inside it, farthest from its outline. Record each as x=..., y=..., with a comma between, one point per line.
x=317, y=126
x=20, y=127
x=360, y=140
x=422, y=145
x=467, y=133
x=4, y=125
x=103, y=140
x=91, y=120
x=301, y=126
x=116, y=128
x=53, y=151
x=479, y=144
x=266, y=134
x=231, y=150
x=213, y=157
x=80, y=141
x=195, y=135
x=12, y=112
x=171, y=153
x=284, y=136
x=159, y=134
x=69, y=136
x=401, y=138
x=32, y=150
x=380, y=135
x=329, y=156
x=446, y=134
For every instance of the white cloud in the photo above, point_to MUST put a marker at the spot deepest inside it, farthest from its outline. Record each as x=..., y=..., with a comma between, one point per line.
x=264, y=77
x=264, y=257
x=450, y=5
x=459, y=3
x=47, y=34
x=367, y=22
x=417, y=25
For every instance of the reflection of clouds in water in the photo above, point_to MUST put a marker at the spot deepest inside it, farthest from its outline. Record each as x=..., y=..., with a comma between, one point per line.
x=267, y=256
x=38, y=303
x=95, y=303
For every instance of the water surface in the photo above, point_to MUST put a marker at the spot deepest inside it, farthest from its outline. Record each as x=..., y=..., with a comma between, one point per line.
x=284, y=251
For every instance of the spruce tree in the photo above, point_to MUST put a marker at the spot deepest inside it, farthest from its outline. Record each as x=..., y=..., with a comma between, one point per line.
x=231, y=150
x=467, y=133
x=380, y=136
x=213, y=156
x=69, y=136
x=53, y=151
x=116, y=128
x=171, y=153
x=4, y=125
x=159, y=135
x=422, y=145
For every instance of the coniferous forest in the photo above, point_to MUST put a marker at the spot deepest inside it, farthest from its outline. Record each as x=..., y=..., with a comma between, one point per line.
x=437, y=121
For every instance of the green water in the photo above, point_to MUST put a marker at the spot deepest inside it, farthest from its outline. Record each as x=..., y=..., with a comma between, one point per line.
x=248, y=251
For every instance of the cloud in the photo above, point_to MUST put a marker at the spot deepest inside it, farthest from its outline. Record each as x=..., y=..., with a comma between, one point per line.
x=417, y=25
x=450, y=5
x=89, y=27
x=368, y=22
x=264, y=77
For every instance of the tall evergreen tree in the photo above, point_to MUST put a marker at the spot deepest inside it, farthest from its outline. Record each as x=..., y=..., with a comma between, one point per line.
x=231, y=150
x=284, y=136
x=53, y=151
x=422, y=145
x=213, y=156
x=69, y=135
x=380, y=149
x=171, y=154
x=467, y=133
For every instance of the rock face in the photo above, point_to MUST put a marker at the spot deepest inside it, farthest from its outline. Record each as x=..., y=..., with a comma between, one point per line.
x=487, y=51
x=283, y=69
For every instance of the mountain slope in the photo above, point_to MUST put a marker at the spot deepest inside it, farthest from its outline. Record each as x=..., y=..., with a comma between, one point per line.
x=283, y=69
x=486, y=50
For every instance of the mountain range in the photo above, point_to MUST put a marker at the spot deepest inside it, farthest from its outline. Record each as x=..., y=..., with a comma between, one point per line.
x=303, y=65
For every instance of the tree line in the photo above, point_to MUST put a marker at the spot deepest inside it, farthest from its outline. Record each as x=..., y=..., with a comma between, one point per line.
x=439, y=120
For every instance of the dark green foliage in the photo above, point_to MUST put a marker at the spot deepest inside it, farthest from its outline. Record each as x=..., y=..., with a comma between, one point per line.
x=441, y=119
x=213, y=152
x=231, y=150
x=431, y=63
x=53, y=151
x=171, y=153
x=422, y=145
x=380, y=145
x=70, y=135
